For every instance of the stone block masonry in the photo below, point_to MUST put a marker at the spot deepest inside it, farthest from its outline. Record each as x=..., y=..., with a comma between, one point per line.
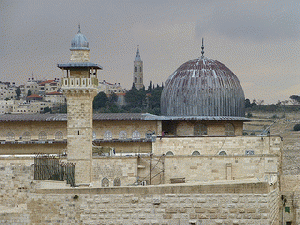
x=234, y=202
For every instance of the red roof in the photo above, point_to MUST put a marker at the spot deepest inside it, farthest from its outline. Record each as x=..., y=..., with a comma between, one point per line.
x=121, y=94
x=54, y=93
x=34, y=96
x=45, y=82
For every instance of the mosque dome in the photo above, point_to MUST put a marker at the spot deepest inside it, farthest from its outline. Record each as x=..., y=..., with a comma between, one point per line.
x=203, y=87
x=79, y=42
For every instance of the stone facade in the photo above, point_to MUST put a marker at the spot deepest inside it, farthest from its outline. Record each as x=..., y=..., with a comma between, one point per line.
x=24, y=201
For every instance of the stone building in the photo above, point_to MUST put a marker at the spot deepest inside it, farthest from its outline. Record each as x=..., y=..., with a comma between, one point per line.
x=192, y=165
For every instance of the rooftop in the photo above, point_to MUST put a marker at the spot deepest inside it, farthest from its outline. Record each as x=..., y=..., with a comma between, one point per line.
x=112, y=116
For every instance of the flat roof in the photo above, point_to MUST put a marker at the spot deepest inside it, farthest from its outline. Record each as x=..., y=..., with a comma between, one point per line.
x=115, y=116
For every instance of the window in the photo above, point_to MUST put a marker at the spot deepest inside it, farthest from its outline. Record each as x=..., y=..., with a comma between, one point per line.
x=287, y=209
x=200, y=129
x=122, y=135
x=105, y=182
x=10, y=136
x=140, y=69
x=229, y=129
x=135, y=69
x=26, y=136
x=107, y=135
x=59, y=135
x=42, y=136
x=195, y=153
x=136, y=135
x=149, y=134
x=117, y=182
x=169, y=153
x=135, y=80
x=222, y=153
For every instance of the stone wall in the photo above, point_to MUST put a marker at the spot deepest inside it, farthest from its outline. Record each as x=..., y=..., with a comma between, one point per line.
x=186, y=128
x=214, y=145
x=233, y=202
x=197, y=204
x=100, y=127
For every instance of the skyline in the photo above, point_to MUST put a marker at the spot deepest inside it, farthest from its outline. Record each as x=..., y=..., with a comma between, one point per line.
x=257, y=40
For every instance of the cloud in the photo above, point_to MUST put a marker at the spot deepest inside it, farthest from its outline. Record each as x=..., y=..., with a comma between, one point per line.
x=256, y=21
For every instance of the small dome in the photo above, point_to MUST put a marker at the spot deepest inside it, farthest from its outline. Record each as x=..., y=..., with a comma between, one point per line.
x=79, y=42
x=203, y=87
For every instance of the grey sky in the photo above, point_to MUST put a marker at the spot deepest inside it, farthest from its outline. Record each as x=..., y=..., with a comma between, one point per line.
x=257, y=40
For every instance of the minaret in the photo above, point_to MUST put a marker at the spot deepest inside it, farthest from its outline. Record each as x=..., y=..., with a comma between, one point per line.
x=138, y=71
x=79, y=85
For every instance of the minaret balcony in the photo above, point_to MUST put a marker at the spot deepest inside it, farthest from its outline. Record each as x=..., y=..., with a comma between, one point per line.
x=79, y=83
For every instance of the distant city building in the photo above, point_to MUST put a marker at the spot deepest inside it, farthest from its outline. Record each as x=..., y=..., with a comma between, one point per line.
x=138, y=71
x=6, y=106
x=49, y=86
x=7, y=90
x=109, y=88
x=55, y=97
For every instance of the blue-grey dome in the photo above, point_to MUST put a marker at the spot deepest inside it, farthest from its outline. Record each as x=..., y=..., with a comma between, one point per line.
x=79, y=42
x=203, y=87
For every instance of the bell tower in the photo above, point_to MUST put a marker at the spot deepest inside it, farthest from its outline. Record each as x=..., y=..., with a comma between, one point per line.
x=79, y=85
x=138, y=71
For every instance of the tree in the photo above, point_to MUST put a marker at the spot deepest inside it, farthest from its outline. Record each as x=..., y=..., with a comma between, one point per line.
x=18, y=92
x=29, y=93
x=47, y=109
x=295, y=99
x=113, y=98
x=100, y=100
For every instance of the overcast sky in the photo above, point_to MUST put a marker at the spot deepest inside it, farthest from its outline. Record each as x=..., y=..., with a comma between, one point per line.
x=257, y=40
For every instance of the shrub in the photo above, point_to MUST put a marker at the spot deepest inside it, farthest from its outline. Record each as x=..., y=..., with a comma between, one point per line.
x=297, y=127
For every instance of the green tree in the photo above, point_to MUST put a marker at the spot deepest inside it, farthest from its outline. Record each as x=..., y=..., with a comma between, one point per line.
x=113, y=98
x=47, y=109
x=18, y=92
x=100, y=100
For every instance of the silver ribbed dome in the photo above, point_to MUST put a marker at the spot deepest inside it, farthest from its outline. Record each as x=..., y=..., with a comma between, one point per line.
x=203, y=87
x=79, y=42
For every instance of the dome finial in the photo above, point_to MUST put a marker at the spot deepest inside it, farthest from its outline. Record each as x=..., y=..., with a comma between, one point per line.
x=78, y=28
x=202, y=47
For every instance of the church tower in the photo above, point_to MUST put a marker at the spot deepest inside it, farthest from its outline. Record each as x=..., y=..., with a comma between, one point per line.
x=79, y=85
x=138, y=71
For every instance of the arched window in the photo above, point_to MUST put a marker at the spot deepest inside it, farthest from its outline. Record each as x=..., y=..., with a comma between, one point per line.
x=26, y=136
x=200, y=129
x=222, y=153
x=149, y=134
x=10, y=136
x=122, y=135
x=42, y=136
x=105, y=182
x=94, y=135
x=229, y=129
x=141, y=80
x=117, y=181
x=108, y=135
x=135, y=80
x=59, y=135
x=135, y=69
x=195, y=153
x=136, y=135
x=169, y=153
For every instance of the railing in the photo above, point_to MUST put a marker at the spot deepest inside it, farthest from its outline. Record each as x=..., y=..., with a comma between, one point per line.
x=79, y=82
x=50, y=168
